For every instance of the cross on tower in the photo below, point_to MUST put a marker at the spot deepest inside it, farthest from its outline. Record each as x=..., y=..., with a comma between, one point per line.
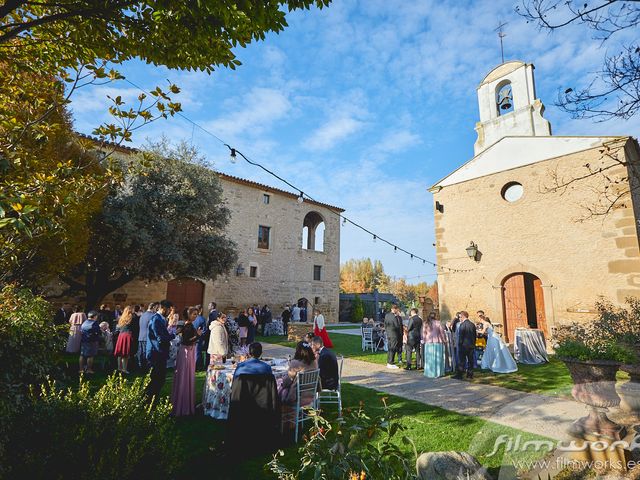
x=501, y=34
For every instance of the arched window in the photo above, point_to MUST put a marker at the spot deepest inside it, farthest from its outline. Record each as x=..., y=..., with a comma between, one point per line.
x=504, y=98
x=313, y=232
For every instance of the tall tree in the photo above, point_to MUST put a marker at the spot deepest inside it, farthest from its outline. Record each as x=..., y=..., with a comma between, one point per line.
x=166, y=220
x=614, y=91
x=50, y=43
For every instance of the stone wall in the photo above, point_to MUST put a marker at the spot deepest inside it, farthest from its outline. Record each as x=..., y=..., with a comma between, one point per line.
x=578, y=258
x=285, y=272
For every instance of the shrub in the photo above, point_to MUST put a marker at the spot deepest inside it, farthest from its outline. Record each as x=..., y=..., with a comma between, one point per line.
x=614, y=335
x=355, y=446
x=30, y=342
x=357, y=312
x=111, y=433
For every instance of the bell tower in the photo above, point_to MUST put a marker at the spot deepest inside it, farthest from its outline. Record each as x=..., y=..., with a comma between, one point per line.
x=508, y=106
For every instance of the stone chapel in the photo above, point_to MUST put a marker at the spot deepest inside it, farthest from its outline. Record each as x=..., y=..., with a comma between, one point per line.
x=539, y=227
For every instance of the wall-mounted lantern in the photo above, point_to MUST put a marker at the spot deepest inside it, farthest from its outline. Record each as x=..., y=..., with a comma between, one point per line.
x=473, y=252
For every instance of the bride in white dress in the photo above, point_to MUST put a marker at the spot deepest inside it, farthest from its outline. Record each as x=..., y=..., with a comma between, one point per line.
x=497, y=357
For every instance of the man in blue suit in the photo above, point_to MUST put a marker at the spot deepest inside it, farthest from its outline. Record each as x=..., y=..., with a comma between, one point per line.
x=158, y=343
x=253, y=366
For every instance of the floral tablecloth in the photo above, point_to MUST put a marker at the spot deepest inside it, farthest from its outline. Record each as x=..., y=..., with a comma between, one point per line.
x=217, y=387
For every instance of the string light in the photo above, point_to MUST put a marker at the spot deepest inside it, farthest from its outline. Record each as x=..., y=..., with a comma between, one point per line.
x=233, y=157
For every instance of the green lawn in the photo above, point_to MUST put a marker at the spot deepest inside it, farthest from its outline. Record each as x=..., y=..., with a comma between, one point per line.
x=431, y=428
x=550, y=378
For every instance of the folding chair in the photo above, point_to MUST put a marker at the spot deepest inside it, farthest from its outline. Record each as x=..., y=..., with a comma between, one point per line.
x=332, y=396
x=367, y=339
x=306, y=387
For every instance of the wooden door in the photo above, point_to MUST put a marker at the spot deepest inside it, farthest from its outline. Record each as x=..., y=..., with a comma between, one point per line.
x=185, y=292
x=514, y=305
x=541, y=318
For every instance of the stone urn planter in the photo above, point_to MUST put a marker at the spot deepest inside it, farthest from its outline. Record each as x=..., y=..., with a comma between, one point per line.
x=630, y=391
x=594, y=384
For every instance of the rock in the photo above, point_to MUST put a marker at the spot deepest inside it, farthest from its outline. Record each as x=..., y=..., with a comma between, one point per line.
x=450, y=466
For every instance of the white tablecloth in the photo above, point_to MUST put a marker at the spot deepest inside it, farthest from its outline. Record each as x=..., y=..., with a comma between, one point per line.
x=530, y=347
x=217, y=387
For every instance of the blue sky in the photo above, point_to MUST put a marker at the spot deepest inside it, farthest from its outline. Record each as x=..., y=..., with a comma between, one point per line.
x=364, y=105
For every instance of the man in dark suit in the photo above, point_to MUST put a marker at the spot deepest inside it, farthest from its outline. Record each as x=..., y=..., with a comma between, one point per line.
x=266, y=317
x=286, y=317
x=466, y=333
x=414, y=336
x=327, y=363
x=393, y=329
x=158, y=344
x=62, y=315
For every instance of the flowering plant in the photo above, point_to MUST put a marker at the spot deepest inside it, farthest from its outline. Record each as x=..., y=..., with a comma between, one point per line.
x=354, y=447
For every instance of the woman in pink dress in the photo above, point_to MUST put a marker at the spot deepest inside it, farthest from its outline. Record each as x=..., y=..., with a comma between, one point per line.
x=183, y=395
x=319, y=329
x=75, y=335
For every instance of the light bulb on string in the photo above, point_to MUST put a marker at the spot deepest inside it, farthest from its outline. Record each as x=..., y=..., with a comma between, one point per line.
x=301, y=197
x=344, y=221
x=374, y=239
x=232, y=156
x=412, y=256
x=395, y=249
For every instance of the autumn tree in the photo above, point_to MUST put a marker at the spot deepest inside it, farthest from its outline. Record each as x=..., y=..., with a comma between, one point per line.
x=363, y=276
x=48, y=50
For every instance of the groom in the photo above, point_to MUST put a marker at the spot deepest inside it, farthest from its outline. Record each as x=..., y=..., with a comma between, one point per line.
x=466, y=333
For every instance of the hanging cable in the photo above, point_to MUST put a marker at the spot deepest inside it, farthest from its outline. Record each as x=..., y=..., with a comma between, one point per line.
x=234, y=152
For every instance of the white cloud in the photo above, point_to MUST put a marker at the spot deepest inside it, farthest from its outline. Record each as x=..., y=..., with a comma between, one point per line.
x=256, y=111
x=332, y=132
x=397, y=141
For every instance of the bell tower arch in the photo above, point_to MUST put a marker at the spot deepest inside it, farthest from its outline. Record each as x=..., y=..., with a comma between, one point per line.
x=508, y=105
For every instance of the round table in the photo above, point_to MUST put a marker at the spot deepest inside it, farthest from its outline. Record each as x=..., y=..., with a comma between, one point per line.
x=217, y=387
x=530, y=347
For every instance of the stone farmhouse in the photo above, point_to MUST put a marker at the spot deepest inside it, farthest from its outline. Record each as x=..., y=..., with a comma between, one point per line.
x=288, y=252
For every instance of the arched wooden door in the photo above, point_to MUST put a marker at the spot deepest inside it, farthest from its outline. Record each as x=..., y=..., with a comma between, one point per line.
x=185, y=292
x=523, y=304
x=514, y=304
x=541, y=318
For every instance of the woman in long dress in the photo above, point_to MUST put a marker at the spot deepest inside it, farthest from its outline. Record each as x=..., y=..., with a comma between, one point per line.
x=319, y=329
x=75, y=334
x=497, y=357
x=434, y=338
x=174, y=345
x=183, y=396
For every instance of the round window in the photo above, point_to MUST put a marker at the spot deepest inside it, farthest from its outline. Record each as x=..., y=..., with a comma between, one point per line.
x=512, y=191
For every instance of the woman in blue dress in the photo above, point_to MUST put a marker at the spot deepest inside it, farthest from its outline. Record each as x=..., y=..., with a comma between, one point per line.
x=497, y=357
